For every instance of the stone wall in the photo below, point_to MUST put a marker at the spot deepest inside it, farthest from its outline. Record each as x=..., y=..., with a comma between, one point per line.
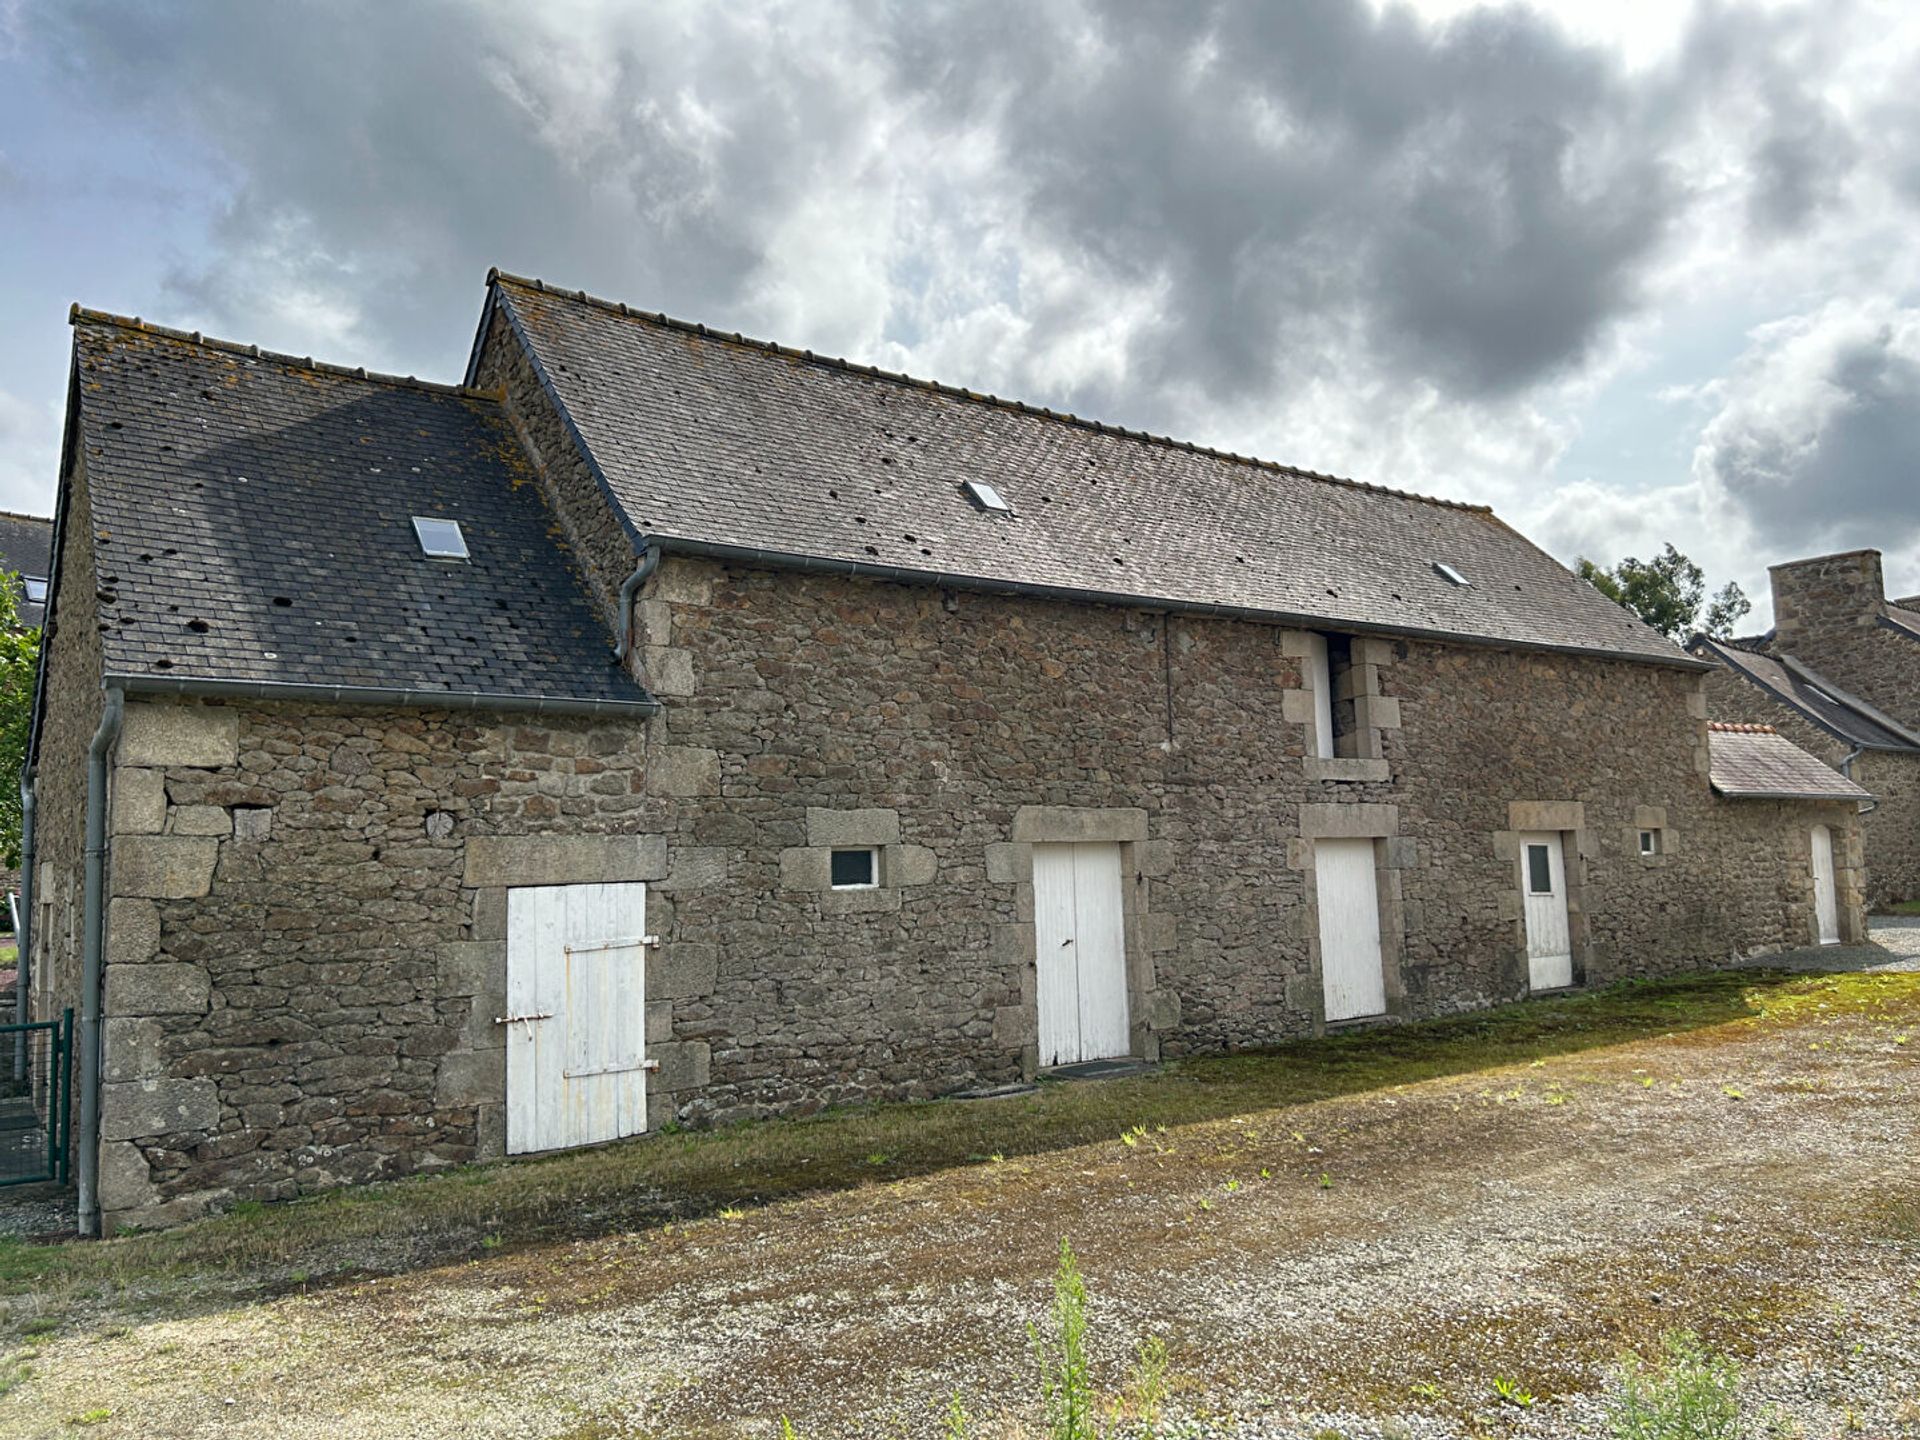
x=306, y=936
x=70, y=715
x=307, y=931
x=1829, y=615
x=1891, y=829
x=590, y=523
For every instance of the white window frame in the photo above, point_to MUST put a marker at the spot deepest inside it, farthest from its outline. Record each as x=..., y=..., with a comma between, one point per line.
x=1320, y=682
x=1528, y=867
x=872, y=852
x=30, y=583
x=438, y=549
x=1650, y=840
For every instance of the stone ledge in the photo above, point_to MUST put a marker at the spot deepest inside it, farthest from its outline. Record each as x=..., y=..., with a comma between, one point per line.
x=1062, y=824
x=205, y=737
x=507, y=860
x=1346, y=768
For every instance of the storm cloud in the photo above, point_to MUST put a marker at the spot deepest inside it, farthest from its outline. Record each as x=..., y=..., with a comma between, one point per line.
x=1818, y=443
x=1403, y=243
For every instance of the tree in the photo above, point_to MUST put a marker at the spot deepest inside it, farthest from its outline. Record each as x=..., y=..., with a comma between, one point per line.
x=1667, y=592
x=19, y=664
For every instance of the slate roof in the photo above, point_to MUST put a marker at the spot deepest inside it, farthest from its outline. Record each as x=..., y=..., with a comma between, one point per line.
x=26, y=548
x=1788, y=683
x=251, y=516
x=733, y=446
x=1755, y=762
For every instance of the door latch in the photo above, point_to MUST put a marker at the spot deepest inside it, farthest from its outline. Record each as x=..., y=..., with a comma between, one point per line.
x=519, y=1019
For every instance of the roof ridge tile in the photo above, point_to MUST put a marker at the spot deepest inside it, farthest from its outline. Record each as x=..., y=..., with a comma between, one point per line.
x=84, y=315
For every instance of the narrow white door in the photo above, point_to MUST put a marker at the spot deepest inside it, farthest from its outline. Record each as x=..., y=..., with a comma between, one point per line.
x=1351, y=969
x=1543, y=888
x=576, y=1015
x=1081, y=959
x=1826, y=911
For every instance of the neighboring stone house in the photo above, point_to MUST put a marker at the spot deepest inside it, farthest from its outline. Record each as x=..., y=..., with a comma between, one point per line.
x=666, y=726
x=26, y=550
x=1839, y=674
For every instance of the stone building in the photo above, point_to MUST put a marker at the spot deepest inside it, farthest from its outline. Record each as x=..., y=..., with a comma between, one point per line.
x=662, y=725
x=1839, y=674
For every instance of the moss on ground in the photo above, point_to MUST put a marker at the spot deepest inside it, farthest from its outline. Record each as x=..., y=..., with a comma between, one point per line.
x=651, y=1182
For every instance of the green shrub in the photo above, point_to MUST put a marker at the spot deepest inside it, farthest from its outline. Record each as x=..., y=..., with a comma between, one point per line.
x=1688, y=1394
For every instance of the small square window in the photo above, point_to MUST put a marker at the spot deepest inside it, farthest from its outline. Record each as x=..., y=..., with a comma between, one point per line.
x=440, y=539
x=1539, y=871
x=36, y=588
x=1649, y=842
x=854, y=869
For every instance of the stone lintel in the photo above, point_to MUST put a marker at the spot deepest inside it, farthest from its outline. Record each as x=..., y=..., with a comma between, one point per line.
x=1059, y=824
x=1349, y=822
x=502, y=860
x=1546, y=815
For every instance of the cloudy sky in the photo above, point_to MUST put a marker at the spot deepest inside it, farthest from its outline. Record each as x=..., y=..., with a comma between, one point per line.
x=1631, y=272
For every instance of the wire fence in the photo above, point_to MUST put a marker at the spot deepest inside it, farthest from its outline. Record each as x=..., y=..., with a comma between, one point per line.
x=36, y=1062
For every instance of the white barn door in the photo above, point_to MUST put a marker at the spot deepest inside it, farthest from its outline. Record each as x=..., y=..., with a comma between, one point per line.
x=1351, y=968
x=1081, y=954
x=1826, y=908
x=576, y=1015
x=1543, y=888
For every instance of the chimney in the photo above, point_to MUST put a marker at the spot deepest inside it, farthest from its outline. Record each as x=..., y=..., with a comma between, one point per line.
x=1823, y=603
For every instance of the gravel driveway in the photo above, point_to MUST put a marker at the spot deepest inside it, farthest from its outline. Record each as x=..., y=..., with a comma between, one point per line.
x=1368, y=1266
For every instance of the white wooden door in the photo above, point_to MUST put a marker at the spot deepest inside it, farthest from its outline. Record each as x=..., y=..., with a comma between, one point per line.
x=1543, y=890
x=1826, y=909
x=1351, y=969
x=577, y=1015
x=1081, y=954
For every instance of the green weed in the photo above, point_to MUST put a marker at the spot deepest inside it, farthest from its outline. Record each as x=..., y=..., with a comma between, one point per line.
x=1689, y=1393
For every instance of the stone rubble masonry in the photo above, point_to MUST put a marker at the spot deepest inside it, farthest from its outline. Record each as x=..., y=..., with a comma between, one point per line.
x=1891, y=829
x=309, y=999
x=306, y=945
x=1828, y=615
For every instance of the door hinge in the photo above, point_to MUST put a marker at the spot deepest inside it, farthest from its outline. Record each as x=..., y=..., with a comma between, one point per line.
x=517, y=1019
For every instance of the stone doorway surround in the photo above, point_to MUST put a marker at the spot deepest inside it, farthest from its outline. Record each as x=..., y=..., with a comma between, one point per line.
x=1567, y=818
x=1392, y=854
x=1151, y=1010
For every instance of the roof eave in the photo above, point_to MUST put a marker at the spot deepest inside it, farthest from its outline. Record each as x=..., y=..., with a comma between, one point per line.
x=211, y=687
x=790, y=560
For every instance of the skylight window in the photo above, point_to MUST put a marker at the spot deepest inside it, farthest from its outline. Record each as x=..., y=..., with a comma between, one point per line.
x=36, y=588
x=1447, y=573
x=440, y=539
x=986, y=497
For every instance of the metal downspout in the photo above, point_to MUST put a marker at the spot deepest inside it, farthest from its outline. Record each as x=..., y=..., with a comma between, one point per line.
x=93, y=944
x=630, y=587
x=23, y=922
x=1867, y=807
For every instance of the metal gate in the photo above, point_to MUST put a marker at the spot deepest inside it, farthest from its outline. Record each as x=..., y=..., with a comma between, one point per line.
x=36, y=1065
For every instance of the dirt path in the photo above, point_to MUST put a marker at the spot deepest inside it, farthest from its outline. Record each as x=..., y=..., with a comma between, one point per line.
x=1759, y=1183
